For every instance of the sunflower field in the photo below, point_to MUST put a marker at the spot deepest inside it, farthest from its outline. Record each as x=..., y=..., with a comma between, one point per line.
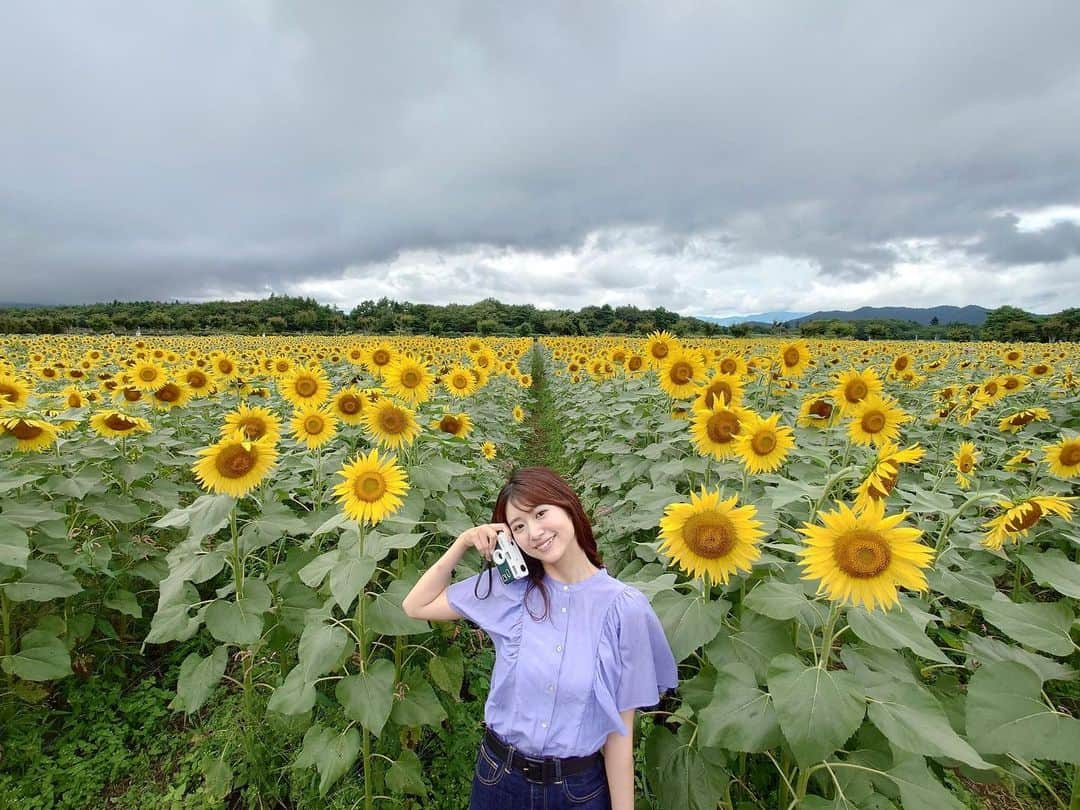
x=863, y=554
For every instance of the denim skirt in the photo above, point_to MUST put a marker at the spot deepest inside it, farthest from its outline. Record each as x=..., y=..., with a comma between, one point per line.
x=497, y=786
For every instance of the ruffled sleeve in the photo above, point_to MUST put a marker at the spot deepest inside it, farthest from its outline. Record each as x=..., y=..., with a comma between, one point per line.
x=498, y=613
x=635, y=663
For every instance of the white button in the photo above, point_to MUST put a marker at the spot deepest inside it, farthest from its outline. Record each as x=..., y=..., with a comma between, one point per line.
x=543, y=725
x=566, y=587
x=564, y=610
x=558, y=648
x=551, y=687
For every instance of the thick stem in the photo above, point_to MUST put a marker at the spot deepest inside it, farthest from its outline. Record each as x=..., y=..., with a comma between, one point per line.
x=238, y=564
x=5, y=619
x=801, y=785
x=1074, y=802
x=827, y=636
x=361, y=634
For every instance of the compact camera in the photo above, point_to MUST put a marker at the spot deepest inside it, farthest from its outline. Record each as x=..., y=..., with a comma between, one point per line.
x=508, y=559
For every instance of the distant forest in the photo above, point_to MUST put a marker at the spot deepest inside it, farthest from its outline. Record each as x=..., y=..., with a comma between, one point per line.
x=288, y=315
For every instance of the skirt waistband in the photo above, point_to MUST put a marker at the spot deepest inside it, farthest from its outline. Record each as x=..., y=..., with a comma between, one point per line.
x=540, y=770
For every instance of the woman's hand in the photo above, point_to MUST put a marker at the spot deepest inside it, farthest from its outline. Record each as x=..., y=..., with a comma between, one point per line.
x=482, y=538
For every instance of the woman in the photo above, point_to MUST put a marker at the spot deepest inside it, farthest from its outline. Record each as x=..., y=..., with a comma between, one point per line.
x=576, y=653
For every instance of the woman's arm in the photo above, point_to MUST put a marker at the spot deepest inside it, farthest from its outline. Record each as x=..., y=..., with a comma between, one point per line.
x=619, y=763
x=427, y=599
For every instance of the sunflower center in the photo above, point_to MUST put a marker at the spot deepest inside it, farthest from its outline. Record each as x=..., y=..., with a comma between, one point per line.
x=1026, y=519
x=306, y=387
x=966, y=463
x=1040, y=369
x=169, y=392
x=349, y=404
x=634, y=363
x=281, y=366
x=148, y=374
x=1013, y=356
x=411, y=379
x=728, y=365
x=234, y=461
x=855, y=391
x=990, y=388
x=873, y=421
x=710, y=535
x=254, y=428
x=763, y=443
x=370, y=486
x=862, y=553
x=23, y=430
x=392, y=421
x=314, y=424
x=901, y=363
x=225, y=367
x=821, y=409
x=449, y=424
x=1070, y=455
x=721, y=427
x=196, y=379
x=1022, y=418
x=887, y=484
x=118, y=422
x=681, y=372
x=660, y=351
x=132, y=394
x=791, y=357
x=8, y=393
x=719, y=389
x=74, y=401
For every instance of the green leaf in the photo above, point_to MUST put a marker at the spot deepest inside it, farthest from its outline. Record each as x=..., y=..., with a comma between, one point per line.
x=41, y=657
x=912, y=719
x=322, y=648
x=172, y=621
x=315, y=571
x=331, y=753
x=198, y=677
x=986, y=650
x=232, y=623
x=448, y=671
x=404, y=775
x=893, y=630
x=203, y=517
x=784, y=601
x=76, y=486
x=689, y=621
x=368, y=697
x=420, y=705
x=41, y=582
x=383, y=613
x=758, y=641
x=296, y=695
x=29, y=515
x=1053, y=568
x=740, y=717
x=1006, y=715
x=349, y=577
x=1044, y=626
x=115, y=509
x=818, y=709
x=14, y=545
x=124, y=602
x=435, y=474
x=919, y=790
x=218, y=777
x=9, y=480
x=685, y=776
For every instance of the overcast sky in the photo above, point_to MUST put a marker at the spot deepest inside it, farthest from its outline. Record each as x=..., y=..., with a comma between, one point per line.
x=709, y=157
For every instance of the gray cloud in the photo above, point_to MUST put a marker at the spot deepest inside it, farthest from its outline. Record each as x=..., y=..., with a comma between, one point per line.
x=167, y=151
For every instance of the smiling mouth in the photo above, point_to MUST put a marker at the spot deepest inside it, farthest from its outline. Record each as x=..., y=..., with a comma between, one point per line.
x=545, y=545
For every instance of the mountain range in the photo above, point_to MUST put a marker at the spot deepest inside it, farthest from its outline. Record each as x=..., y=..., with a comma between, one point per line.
x=972, y=315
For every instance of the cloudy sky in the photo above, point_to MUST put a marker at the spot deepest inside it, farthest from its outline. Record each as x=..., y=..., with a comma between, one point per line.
x=709, y=157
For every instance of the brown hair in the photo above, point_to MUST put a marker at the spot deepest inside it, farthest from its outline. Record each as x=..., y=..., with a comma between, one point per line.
x=532, y=486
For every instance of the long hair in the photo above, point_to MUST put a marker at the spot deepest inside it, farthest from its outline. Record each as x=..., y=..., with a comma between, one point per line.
x=529, y=487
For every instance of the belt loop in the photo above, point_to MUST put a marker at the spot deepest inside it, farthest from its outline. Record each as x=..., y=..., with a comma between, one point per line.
x=558, y=771
x=509, y=757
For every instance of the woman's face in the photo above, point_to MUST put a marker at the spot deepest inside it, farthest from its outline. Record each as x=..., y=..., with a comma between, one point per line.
x=544, y=531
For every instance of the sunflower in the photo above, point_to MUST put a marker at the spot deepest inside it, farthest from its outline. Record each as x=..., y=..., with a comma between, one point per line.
x=658, y=346
x=306, y=386
x=281, y=366
x=72, y=397
x=763, y=444
x=254, y=422
x=964, y=460
x=1013, y=357
x=525, y=380
x=886, y=470
x=861, y=558
x=635, y=364
x=1017, y=518
x=518, y=414
x=234, y=466
x=456, y=424
x=1014, y=383
x=408, y=380
x=876, y=420
x=852, y=387
x=1019, y=459
x=113, y=423
x=349, y=404
x=1013, y=422
x=989, y=392
x=171, y=395
x=900, y=364
x=711, y=536
x=816, y=412
x=723, y=389
x=197, y=381
x=148, y=376
x=313, y=426
x=14, y=393
x=1040, y=370
x=372, y=488
x=733, y=364
x=31, y=435
x=1064, y=457
x=489, y=450
x=715, y=429
x=794, y=358
x=391, y=424
x=225, y=367
x=459, y=382
x=682, y=374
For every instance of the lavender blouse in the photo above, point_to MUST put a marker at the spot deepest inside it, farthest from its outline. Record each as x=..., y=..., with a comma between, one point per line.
x=559, y=684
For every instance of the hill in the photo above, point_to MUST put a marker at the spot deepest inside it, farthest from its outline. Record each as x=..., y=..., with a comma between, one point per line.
x=970, y=315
